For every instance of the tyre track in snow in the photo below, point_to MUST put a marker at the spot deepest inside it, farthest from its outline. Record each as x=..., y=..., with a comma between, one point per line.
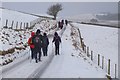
x=40, y=70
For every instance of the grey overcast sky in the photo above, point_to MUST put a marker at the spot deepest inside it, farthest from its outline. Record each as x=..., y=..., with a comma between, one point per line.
x=69, y=8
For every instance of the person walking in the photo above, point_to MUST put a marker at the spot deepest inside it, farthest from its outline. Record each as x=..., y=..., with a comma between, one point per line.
x=66, y=22
x=37, y=41
x=30, y=43
x=57, y=41
x=45, y=44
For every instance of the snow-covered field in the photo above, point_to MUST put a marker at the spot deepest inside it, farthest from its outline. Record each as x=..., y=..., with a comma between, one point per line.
x=16, y=17
x=101, y=40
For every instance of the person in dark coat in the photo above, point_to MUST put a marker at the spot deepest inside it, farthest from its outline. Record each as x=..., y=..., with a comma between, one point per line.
x=45, y=44
x=66, y=22
x=59, y=25
x=57, y=41
x=37, y=41
x=62, y=21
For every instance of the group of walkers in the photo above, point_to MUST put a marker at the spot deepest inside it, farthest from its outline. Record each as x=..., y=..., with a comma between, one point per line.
x=62, y=22
x=38, y=42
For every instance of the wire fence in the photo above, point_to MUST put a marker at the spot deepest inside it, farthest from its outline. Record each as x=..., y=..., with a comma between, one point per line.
x=101, y=61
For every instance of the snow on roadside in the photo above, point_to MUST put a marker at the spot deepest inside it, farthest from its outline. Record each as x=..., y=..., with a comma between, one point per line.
x=69, y=64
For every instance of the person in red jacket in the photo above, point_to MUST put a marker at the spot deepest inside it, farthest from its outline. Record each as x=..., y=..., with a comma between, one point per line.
x=31, y=44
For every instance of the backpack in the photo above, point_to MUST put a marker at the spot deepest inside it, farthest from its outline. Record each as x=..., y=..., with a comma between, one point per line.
x=37, y=40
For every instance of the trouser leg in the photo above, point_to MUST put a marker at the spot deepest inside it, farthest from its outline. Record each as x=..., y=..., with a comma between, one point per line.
x=32, y=53
x=46, y=50
x=55, y=50
x=40, y=54
x=58, y=50
x=43, y=49
x=35, y=54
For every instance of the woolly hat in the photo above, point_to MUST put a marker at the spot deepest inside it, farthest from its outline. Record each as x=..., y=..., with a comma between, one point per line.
x=38, y=31
x=32, y=33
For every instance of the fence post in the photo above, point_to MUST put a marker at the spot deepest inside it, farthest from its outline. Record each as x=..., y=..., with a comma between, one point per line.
x=85, y=48
x=6, y=22
x=80, y=38
x=109, y=66
x=102, y=62
x=98, y=59
x=115, y=71
x=16, y=25
x=88, y=51
x=92, y=55
x=24, y=25
x=12, y=24
x=21, y=25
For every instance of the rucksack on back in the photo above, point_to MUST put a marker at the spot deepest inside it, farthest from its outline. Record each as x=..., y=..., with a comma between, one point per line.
x=37, y=40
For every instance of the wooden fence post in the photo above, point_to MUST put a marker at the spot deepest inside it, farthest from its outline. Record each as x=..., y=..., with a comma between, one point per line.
x=92, y=55
x=16, y=24
x=21, y=25
x=6, y=22
x=88, y=51
x=98, y=59
x=12, y=24
x=24, y=25
x=115, y=71
x=109, y=66
x=102, y=62
x=85, y=48
x=80, y=38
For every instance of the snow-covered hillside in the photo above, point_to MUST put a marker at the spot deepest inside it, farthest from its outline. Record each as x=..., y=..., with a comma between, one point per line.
x=16, y=17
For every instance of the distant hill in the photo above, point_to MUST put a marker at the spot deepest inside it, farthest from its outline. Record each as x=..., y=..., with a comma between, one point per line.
x=81, y=17
x=107, y=16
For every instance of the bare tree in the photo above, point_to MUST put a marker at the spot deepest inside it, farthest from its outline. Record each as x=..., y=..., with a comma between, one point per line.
x=54, y=9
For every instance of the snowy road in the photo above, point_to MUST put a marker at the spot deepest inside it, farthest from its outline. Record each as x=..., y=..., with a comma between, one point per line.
x=67, y=66
x=25, y=68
